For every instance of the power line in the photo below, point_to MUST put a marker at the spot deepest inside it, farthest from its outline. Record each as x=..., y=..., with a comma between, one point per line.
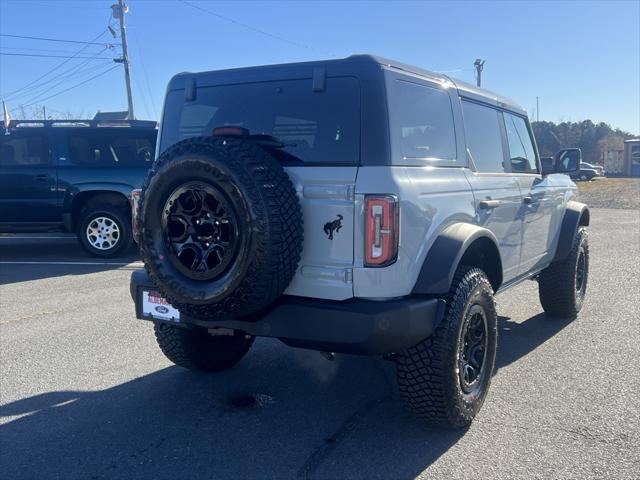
x=68, y=74
x=75, y=86
x=59, y=40
x=146, y=77
x=257, y=30
x=57, y=5
x=51, y=56
x=57, y=66
x=64, y=76
x=50, y=50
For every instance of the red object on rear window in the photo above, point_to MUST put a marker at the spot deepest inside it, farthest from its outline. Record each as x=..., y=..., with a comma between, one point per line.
x=230, y=132
x=381, y=230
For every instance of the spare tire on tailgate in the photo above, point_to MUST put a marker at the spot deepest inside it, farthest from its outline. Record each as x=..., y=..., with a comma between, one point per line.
x=220, y=227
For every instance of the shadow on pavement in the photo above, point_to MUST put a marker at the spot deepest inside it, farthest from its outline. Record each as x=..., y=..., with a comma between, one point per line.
x=34, y=259
x=293, y=416
x=516, y=340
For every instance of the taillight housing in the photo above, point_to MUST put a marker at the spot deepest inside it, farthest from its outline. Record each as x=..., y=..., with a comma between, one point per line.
x=382, y=229
x=135, y=200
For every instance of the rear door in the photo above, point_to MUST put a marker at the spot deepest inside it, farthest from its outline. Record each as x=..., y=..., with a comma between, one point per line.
x=496, y=192
x=318, y=129
x=28, y=180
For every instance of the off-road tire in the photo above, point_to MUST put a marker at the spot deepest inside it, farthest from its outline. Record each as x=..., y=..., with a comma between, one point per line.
x=122, y=220
x=196, y=349
x=267, y=208
x=558, y=285
x=427, y=373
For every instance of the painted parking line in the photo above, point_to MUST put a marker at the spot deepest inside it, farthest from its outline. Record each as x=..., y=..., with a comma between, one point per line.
x=6, y=237
x=120, y=264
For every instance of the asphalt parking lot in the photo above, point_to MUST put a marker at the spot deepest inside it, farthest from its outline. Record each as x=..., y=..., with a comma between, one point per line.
x=85, y=393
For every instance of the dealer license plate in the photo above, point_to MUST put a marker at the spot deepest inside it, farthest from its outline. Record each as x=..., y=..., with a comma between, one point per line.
x=155, y=305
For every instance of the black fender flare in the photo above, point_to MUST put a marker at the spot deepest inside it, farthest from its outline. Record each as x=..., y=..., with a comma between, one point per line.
x=576, y=214
x=444, y=256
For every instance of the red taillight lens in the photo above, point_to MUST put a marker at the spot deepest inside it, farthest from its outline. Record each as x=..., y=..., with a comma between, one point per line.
x=381, y=230
x=135, y=199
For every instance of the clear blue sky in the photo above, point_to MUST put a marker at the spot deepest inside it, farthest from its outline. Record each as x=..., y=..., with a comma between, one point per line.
x=581, y=58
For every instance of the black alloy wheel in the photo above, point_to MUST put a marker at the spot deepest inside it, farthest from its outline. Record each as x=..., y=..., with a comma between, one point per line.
x=472, y=348
x=581, y=276
x=201, y=231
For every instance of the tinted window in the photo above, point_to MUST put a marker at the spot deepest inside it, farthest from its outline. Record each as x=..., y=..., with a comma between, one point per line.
x=521, y=152
x=24, y=148
x=423, y=121
x=484, y=141
x=313, y=126
x=111, y=146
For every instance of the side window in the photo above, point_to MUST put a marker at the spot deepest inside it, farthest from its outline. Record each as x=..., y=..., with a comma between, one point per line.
x=89, y=147
x=117, y=146
x=484, y=140
x=423, y=122
x=22, y=148
x=135, y=148
x=521, y=152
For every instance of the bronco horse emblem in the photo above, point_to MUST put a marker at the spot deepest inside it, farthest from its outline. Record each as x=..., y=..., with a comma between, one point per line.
x=334, y=226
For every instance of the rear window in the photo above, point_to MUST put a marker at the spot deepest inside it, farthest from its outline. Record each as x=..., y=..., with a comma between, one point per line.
x=316, y=127
x=113, y=146
x=24, y=148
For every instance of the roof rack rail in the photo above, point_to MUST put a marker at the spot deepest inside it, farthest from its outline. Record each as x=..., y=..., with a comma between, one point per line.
x=80, y=123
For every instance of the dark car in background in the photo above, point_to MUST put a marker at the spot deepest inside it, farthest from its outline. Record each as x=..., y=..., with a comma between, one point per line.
x=599, y=169
x=74, y=176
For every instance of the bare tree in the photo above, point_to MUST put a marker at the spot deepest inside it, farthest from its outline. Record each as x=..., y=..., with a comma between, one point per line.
x=38, y=112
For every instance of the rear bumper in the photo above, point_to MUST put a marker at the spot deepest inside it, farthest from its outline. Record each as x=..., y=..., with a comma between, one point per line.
x=353, y=326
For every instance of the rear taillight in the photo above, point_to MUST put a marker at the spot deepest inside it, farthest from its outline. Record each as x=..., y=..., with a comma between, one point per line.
x=381, y=230
x=230, y=132
x=135, y=199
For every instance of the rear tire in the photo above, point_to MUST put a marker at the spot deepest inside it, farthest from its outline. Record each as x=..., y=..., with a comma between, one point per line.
x=562, y=286
x=105, y=231
x=196, y=349
x=219, y=227
x=444, y=379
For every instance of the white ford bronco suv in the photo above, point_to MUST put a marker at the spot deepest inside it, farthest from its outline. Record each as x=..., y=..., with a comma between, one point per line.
x=358, y=206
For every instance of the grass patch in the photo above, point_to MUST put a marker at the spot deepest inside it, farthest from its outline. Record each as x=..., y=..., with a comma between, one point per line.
x=610, y=193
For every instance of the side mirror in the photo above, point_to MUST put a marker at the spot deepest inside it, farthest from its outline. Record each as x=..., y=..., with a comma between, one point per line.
x=547, y=165
x=568, y=161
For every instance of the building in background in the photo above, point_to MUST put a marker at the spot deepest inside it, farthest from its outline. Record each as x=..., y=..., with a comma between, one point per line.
x=624, y=163
x=632, y=156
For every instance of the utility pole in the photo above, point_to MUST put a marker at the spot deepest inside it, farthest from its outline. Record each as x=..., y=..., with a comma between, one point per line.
x=44, y=112
x=537, y=109
x=478, y=65
x=118, y=12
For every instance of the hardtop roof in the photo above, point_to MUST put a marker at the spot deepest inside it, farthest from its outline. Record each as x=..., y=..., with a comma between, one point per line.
x=362, y=65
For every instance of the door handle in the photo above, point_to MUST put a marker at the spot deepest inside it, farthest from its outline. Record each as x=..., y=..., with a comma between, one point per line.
x=42, y=177
x=528, y=200
x=488, y=204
